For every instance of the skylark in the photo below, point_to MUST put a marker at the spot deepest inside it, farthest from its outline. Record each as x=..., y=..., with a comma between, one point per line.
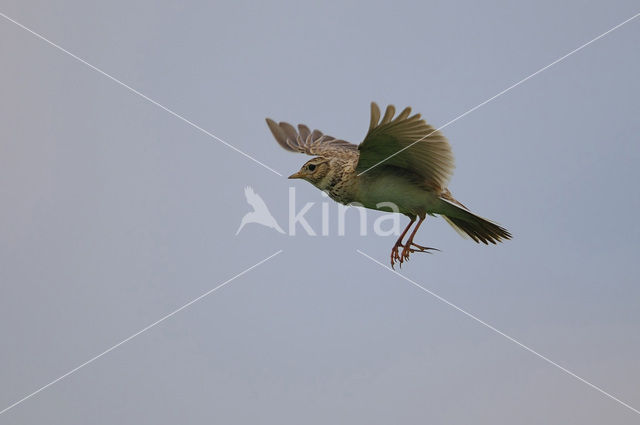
x=402, y=160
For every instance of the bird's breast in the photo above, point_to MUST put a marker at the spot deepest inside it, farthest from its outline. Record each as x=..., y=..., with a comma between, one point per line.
x=340, y=184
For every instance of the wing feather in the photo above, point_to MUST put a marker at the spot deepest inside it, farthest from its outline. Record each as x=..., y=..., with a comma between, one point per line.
x=393, y=141
x=310, y=142
x=304, y=132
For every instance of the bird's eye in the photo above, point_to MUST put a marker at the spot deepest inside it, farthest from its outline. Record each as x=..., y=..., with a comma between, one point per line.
x=311, y=167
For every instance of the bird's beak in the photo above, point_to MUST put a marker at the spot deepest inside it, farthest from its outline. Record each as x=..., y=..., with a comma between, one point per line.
x=297, y=175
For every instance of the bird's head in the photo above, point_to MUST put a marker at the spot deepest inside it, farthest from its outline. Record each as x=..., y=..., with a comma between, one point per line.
x=314, y=171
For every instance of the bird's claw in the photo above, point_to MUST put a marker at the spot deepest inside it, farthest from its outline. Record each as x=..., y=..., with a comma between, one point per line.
x=400, y=257
x=407, y=250
x=395, y=255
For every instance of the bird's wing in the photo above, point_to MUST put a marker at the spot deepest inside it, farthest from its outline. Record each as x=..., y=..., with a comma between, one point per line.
x=254, y=199
x=392, y=142
x=310, y=142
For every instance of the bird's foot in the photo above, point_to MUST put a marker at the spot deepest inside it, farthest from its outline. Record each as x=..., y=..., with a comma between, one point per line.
x=407, y=250
x=395, y=255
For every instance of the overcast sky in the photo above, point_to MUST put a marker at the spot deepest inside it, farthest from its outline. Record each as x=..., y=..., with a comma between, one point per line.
x=114, y=213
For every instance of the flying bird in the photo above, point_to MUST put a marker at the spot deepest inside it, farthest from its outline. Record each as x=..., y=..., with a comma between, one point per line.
x=260, y=213
x=402, y=160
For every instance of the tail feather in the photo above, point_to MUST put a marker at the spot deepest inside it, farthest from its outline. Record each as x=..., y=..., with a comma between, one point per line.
x=468, y=224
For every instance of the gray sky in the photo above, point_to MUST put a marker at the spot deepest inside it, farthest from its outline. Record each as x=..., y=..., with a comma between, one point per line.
x=115, y=213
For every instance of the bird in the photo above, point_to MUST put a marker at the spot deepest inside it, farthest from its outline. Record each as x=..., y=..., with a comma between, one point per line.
x=402, y=160
x=260, y=213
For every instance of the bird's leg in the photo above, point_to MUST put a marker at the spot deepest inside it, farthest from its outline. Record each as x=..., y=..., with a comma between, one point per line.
x=395, y=255
x=407, y=247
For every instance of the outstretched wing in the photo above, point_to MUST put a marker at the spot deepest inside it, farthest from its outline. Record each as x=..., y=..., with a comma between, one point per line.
x=394, y=142
x=254, y=199
x=310, y=142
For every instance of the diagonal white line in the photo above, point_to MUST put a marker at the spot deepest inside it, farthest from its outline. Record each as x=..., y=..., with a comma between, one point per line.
x=506, y=90
x=131, y=89
x=146, y=328
x=499, y=332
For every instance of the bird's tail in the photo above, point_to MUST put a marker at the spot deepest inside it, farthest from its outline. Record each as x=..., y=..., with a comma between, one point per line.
x=468, y=224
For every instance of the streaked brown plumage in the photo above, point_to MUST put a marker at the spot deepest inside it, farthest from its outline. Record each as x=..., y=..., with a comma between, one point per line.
x=389, y=166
